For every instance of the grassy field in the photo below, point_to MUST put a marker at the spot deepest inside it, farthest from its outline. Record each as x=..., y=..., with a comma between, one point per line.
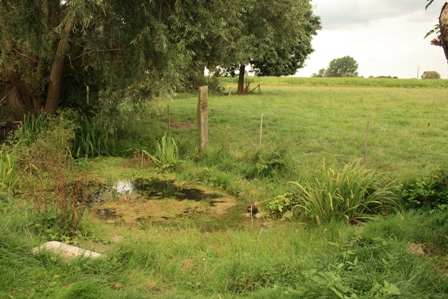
x=407, y=134
x=400, y=255
x=394, y=257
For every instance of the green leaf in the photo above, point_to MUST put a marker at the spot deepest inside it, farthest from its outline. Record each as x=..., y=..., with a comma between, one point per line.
x=390, y=289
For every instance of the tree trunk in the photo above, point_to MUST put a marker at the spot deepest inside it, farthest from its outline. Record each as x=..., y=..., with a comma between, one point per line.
x=15, y=101
x=241, y=79
x=57, y=72
x=443, y=22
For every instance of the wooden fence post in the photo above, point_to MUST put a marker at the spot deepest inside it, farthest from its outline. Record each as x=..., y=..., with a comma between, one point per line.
x=169, y=121
x=202, y=116
x=366, y=144
x=261, y=129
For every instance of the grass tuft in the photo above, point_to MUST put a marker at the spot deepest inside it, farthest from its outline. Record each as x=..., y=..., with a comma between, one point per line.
x=351, y=194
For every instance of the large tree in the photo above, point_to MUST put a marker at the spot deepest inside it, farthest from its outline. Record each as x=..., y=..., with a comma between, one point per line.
x=51, y=50
x=276, y=37
x=284, y=60
x=342, y=67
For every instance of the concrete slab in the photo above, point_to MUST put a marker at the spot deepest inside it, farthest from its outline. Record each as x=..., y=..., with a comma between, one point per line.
x=68, y=252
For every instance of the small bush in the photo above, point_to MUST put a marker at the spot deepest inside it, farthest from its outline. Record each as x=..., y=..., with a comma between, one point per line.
x=267, y=163
x=214, y=83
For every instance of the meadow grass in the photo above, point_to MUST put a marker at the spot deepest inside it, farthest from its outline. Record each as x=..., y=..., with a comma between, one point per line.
x=287, y=260
x=407, y=127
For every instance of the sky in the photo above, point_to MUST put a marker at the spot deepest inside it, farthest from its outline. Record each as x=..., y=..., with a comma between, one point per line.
x=385, y=37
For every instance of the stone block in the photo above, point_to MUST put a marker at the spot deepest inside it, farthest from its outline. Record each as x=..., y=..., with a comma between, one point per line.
x=68, y=252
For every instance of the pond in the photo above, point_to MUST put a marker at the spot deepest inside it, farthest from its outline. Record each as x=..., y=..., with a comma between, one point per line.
x=146, y=202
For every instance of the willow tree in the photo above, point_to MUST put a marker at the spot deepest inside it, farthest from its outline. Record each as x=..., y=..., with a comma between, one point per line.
x=56, y=53
x=441, y=29
x=276, y=39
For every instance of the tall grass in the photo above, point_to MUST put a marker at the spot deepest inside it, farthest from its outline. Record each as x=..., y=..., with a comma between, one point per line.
x=30, y=127
x=9, y=176
x=91, y=139
x=45, y=131
x=67, y=130
x=167, y=154
x=350, y=194
x=284, y=261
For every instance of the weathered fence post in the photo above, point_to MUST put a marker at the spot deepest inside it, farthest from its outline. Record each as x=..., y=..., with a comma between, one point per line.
x=169, y=121
x=261, y=129
x=203, y=116
x=366, y=144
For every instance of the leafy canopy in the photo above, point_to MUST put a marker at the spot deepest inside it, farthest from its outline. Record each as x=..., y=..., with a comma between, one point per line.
x=275, y=38
x=50, y=51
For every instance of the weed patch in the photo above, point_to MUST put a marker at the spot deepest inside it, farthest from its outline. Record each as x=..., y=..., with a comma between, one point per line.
x=58, y=192
x=426, y=193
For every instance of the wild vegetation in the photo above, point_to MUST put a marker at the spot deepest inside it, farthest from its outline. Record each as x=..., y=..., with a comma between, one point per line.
x=332, y=226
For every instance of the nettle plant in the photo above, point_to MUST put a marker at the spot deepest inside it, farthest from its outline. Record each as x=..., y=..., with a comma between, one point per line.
x=426, y=193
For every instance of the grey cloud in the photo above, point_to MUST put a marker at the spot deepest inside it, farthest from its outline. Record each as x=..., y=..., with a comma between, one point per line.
x=337, y=14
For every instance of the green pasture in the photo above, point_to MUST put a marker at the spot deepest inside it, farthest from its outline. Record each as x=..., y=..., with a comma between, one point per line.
x=407, y=136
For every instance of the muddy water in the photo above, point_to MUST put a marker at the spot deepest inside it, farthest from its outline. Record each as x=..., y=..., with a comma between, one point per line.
x=147, y=202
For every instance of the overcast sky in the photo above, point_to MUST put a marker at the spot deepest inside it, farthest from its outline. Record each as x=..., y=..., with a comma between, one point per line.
x=385, y=37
